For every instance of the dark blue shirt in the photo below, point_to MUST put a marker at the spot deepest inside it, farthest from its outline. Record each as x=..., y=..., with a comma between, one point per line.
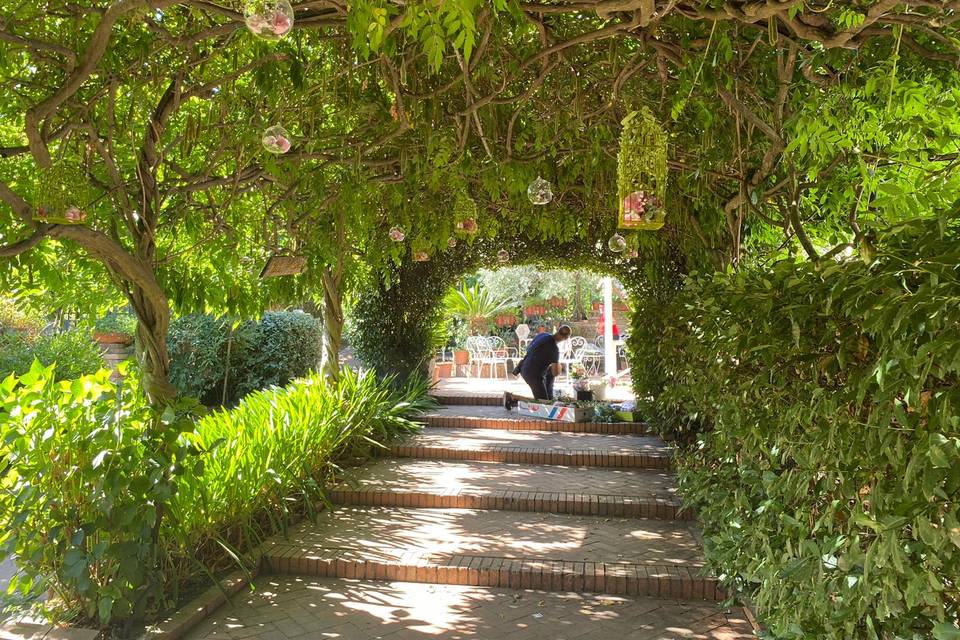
x=542, y=352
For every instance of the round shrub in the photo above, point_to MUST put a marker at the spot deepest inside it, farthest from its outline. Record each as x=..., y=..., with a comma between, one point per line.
x=284, y=345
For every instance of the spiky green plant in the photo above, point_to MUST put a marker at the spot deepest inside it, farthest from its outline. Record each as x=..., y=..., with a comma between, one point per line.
x=475, y=305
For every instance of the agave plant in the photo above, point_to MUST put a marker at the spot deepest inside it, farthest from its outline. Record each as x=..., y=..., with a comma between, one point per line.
x=475, y=305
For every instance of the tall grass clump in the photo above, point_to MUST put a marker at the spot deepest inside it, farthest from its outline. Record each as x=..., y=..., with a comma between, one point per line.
x=267, y=460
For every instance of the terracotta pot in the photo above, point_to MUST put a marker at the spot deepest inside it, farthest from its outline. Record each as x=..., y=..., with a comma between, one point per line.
x=444, y=370
x=112, y=338
x=461, y=357
x=597, y=306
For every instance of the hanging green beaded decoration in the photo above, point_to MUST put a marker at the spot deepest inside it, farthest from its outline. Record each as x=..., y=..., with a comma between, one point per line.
x=63, y=195
x=642, y=172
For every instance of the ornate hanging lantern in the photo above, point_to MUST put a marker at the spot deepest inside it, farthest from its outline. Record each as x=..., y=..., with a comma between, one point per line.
x=268, y=19
x=397, y=234
x=642, y=172
x=465, y=212
x=617, y=243
x=63, y=195
x=503, y=256
x=276, y=140
x=451, y=242
x=540, y=192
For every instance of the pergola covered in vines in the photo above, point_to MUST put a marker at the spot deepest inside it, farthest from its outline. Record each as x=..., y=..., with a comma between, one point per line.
x=792, y=126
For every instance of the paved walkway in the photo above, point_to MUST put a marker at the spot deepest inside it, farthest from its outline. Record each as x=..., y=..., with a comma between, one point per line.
x=515, y=532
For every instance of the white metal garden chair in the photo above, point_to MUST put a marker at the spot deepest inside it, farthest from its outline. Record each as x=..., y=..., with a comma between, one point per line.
x=523, y=335
x=569, y=353
x=482, y=353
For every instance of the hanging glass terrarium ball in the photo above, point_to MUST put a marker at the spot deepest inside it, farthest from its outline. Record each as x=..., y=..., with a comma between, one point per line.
x=503, y=256
x=397, y=234
x=276, y=140
x=617, y=243
x=420, y=256
x=540, y=192
x=451, y=242
x=268, y=19
x=468, y=226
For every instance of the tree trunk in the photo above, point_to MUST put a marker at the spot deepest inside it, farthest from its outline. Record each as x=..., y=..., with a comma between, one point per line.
x=332, y=322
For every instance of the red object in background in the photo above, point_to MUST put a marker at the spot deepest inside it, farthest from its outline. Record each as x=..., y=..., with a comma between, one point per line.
x=601, y=328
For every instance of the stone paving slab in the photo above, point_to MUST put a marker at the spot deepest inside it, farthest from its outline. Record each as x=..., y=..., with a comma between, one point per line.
x=485, y=485
x=385, y=533
x=538, y=447
x=290, y=608
x=490, y=417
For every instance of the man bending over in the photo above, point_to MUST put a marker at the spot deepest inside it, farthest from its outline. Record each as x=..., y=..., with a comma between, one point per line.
x=541, y=364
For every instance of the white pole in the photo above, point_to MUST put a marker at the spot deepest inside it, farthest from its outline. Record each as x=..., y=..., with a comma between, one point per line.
x=609, y=349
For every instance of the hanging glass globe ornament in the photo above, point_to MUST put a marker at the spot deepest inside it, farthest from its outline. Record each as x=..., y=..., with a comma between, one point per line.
x=617, y=243
x=276, y=140
x=503, y=256
x=468, y=226
x=397, y=234
x=451, y=242
x=268, y=19
x=540, y=192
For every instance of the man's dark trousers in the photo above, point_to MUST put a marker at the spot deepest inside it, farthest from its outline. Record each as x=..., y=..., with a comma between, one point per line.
x=541, y=385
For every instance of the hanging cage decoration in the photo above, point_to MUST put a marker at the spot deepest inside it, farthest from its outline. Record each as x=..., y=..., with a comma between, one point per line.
x=642, y=172
x=63, y=195
x=465, y=212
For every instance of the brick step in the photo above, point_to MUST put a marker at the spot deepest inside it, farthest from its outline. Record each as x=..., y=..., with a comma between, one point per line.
x=569, y=503
x=296, y=607
x=538, y=447
x=499, y=418
x=663, y=581
x=450, y=484
x=498, y=549
x=468, y=400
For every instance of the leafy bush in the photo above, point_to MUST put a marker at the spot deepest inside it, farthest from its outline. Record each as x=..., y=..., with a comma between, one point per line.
x=90, y=470
x=823, y=402
x=117, y=322
x=73, y=352
x=284, y=345
x=85, y=480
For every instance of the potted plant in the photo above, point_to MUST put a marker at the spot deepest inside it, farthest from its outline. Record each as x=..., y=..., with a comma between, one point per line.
x=115, y=328
x=475, y=305
x=581, y=382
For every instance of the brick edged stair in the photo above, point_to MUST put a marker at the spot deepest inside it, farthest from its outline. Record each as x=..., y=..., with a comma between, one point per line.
x=482, y=501
x=499, y=418
x=499, y=549
x=512, y=573
x=538, y=447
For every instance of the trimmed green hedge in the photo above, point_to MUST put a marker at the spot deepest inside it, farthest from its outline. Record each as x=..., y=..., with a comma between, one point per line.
x=821, y=405
x=281, y=346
